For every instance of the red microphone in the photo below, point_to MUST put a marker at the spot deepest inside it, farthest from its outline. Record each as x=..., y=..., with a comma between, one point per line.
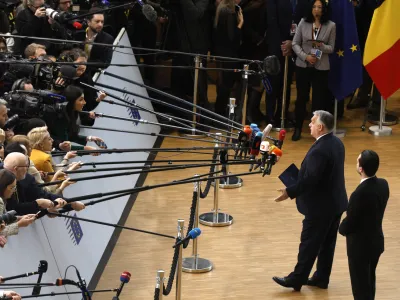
x=77, y=25
x=282, y=135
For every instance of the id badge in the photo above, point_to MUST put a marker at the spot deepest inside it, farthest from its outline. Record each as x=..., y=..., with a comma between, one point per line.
x=293, y=29
x=316, y=52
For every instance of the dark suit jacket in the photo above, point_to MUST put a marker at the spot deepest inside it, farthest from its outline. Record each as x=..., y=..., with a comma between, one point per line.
x=279, y=22
x=320, y=189
x=28, y=192
x=363, y=223
x=99, y=54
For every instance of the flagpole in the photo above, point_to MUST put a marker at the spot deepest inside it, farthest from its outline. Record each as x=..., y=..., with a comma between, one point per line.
x=380, y=130
x=340, y=133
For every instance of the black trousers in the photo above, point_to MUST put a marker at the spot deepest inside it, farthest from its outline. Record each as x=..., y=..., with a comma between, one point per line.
x=321, y=96
x=362, y=274
x=318, y=239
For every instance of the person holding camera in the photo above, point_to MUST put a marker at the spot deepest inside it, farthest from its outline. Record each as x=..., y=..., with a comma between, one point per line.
x=313, y=42
x=33, y=22
x=8, y=185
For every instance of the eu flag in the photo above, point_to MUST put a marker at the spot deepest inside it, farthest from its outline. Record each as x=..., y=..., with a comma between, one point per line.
x=346, y=63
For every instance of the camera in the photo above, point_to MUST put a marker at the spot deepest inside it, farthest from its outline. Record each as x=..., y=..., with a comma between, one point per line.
x=8, y=217
x=11, y=122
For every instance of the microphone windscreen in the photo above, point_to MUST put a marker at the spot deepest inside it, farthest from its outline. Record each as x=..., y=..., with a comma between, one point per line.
x=282, y=134
x=266, y=131
x=264, y=146
x=149, y=12
x=77, y=25
x=272, y=65
x=194, y=233
x=278, y=152
x=125, y=277
x=22, y=70
x=68, y=71
x=247, y=130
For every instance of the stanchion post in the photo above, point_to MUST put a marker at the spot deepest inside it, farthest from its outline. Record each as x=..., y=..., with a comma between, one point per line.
x=245, y=77
x=381, y=130
x=160, y=283
x=195, y=264
x=230, y=182
x=284, y=95
x=340, y=133
x=197, y=65
x=181, y=224
x=216, y=218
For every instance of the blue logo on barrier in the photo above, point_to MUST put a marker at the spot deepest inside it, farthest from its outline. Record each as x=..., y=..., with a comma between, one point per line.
x=74, y=230
x=133, y=112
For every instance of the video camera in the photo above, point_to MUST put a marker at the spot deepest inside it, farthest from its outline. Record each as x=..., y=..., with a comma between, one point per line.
x=35, y=104
x=42, y=75
x=8, y=217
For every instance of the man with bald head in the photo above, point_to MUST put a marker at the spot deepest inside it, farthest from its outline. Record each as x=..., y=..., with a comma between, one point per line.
x=28, y=198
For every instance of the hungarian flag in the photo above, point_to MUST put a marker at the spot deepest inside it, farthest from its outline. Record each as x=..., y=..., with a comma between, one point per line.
x=382, y=49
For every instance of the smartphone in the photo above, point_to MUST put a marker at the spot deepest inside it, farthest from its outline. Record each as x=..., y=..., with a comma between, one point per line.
x=101, y=145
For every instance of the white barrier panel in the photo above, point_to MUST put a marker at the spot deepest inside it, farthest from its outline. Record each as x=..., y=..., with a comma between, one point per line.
x=80, y=243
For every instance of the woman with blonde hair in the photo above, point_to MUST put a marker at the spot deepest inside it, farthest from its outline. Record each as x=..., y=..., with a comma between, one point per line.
x=38, y=175
x=42, y=144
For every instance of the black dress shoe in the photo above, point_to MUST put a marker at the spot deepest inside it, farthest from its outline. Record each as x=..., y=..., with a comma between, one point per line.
x=314, y=282
x=296, y=135
x=286, y=282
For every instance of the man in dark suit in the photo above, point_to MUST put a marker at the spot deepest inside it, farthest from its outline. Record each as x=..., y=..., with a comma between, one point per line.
x=321, y=197
x=101, y=55
x=283, y=16
x=363, y=226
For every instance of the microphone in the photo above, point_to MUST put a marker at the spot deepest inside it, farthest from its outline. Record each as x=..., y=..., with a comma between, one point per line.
x=264, y=148
x=60, y=282
x=41, y=269
x=77, y=25
x=255, y=148
x=68, y=71
x=194, y=233
x=82, y=286
x=271, y=65
x=282, y=135
x=274, y=155
x=124, y=278
x=148, y=11
x=266, y=131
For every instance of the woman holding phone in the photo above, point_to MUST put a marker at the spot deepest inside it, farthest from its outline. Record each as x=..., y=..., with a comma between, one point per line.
x=313, y=42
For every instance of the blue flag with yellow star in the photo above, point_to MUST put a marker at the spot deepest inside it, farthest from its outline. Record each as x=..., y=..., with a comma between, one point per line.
x=345, y=74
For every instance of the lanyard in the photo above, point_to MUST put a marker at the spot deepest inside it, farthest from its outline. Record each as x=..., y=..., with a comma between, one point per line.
x=315, y=33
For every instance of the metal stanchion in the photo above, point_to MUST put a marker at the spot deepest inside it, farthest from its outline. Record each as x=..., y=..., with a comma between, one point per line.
x=381, y=130
x=198, y=65
x=216, y=218
x=340, y=133
x=181, y=224
x=195, y=264
x=230, y=182
x=245, y=77
x=284, y=94
x=160, y=283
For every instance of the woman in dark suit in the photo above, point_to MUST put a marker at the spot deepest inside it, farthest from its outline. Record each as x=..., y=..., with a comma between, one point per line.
x=313, y=42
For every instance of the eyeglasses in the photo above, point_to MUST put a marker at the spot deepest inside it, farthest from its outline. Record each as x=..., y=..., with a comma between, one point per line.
x=29, y=163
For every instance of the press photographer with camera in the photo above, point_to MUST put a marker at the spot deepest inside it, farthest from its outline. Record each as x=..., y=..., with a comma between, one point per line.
x=8, y=185
x=32, y=21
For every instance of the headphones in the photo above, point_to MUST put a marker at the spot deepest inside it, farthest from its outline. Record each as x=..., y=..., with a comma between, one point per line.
x=18, y=84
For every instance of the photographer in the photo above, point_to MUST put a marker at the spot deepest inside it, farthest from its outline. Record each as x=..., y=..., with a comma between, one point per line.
x=34, y=51
x=33, y=22
x=4, y=118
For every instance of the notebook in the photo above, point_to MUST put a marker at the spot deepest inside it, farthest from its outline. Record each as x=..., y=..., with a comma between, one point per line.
x=289, y=176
